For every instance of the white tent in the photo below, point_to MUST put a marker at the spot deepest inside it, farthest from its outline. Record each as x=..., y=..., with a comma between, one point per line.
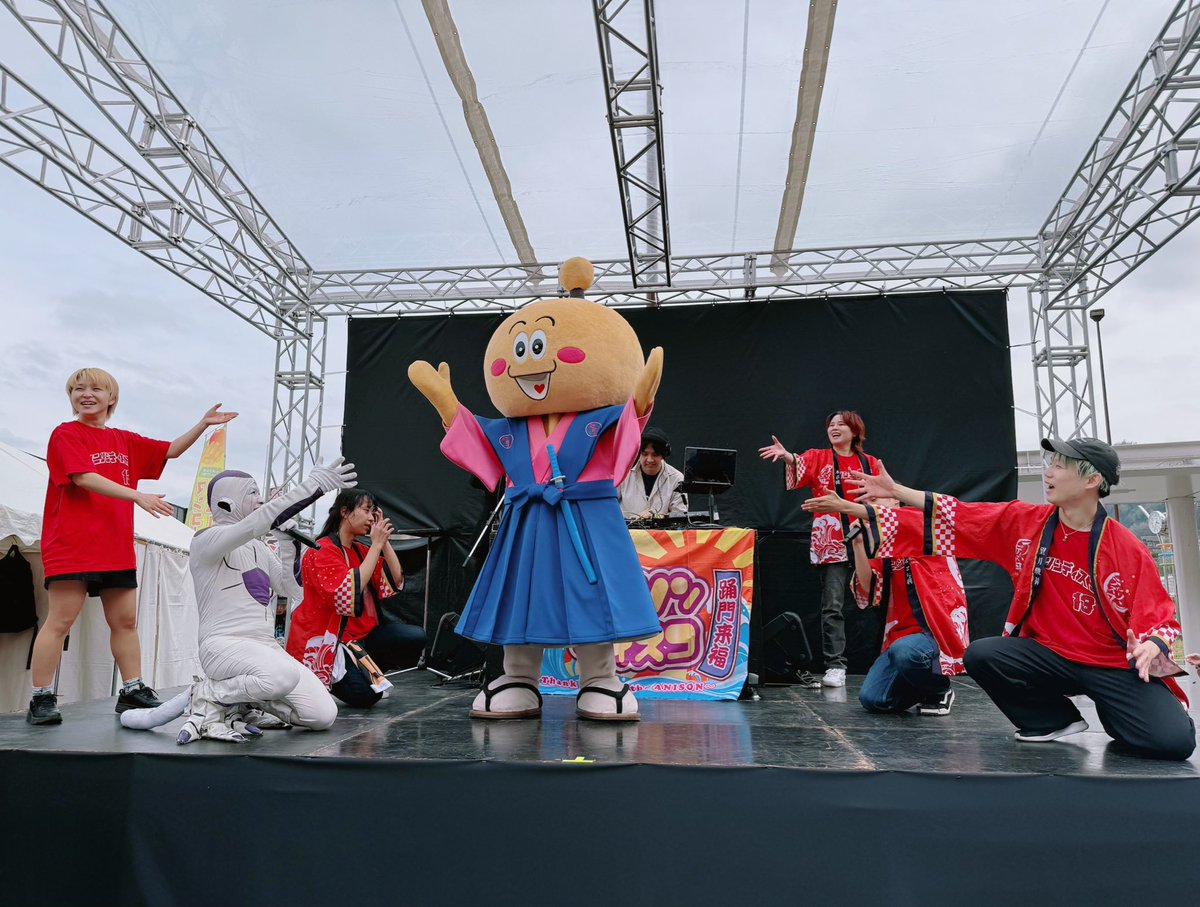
x=166, y=601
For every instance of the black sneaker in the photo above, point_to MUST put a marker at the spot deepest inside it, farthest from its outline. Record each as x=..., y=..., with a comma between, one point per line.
x=43, y=709
x=938, y=705
x=138, y=698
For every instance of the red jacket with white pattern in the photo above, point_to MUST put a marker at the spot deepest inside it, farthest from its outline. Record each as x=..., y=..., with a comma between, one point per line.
x=814, y=470
x=1131, y=595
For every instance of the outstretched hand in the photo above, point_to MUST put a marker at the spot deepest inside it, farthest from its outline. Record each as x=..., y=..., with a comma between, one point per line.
x=215, y=417
x=335, y=476
x=871, y=488
x=776, y=451
x=830, y=502
x=436, y=387
x=154, y=504
x=1141, y=655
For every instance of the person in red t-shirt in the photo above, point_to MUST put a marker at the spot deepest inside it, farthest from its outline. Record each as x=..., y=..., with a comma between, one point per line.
x=1089, y=614
x=87, y=532
x=822, y=470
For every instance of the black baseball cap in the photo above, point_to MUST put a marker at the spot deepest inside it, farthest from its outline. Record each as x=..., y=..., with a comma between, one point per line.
x=1094, y=451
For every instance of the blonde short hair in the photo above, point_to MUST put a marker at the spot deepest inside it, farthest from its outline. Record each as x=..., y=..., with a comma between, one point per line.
x=98, y=377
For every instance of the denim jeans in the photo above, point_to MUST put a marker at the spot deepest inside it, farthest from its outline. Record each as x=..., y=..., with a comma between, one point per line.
x=903, y=675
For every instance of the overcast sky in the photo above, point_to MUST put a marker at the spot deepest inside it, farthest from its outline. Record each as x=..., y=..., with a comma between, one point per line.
x=947, y=165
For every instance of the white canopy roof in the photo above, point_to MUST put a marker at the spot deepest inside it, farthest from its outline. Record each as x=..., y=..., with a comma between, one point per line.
x=938, y=119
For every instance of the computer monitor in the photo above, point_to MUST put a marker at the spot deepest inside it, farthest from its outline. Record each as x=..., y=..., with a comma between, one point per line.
x=708, y=468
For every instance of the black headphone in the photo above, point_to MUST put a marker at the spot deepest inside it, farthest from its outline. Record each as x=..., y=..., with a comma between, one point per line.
x=661, y=444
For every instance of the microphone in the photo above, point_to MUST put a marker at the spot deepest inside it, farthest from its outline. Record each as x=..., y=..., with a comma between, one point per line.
x=298, y=536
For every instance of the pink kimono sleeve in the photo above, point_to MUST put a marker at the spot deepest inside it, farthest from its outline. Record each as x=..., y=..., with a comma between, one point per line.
x=617, y=449
x=467, y=447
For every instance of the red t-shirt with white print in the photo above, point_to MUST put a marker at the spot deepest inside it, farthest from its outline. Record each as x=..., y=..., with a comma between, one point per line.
x=1065, y=617
x=83, y=532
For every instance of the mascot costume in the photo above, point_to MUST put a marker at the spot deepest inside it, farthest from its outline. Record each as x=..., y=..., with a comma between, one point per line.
x=250, y=682
x=568, y=377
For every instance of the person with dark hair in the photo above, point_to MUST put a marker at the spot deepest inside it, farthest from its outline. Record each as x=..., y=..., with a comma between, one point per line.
x=1089, y=614
x=651, y=489
x=336, y=629
x=823, y=469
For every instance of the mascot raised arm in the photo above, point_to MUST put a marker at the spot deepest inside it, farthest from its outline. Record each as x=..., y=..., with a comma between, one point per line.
x=567, y=375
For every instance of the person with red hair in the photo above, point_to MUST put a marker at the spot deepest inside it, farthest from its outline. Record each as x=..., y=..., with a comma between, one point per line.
x=822, y=469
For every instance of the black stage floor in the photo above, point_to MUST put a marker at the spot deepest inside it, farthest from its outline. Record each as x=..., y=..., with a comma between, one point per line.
x=801, y=797
x=789, y=726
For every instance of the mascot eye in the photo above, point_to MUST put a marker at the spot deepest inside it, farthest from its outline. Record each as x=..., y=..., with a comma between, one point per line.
x=520, y=346
x=537, y=344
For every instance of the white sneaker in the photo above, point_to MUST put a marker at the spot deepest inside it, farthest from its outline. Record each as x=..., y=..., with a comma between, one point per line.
x=1075, y=727
x=834, y=677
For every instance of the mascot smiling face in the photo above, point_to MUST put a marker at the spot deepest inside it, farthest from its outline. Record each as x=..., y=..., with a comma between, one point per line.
x=562, y=355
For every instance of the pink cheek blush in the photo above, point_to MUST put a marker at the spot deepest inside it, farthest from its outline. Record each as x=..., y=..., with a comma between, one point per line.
x=572, y=355
x=498, y=368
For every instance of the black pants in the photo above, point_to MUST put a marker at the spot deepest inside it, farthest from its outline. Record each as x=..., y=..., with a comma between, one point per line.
x=835, y=582
x=390, y=646
x=1030, y=684
x=394, y=645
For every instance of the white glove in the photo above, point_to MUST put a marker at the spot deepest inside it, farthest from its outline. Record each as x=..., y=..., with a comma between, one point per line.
x=334, y=477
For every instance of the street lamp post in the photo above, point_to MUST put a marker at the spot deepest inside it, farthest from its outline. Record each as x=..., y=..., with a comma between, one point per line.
x=1097, y=315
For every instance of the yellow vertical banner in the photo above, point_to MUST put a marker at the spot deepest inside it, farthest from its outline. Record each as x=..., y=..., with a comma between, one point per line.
x=212, y=461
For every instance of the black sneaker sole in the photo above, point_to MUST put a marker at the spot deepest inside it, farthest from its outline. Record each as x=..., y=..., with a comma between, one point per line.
x=43, y=720
x=126, y=706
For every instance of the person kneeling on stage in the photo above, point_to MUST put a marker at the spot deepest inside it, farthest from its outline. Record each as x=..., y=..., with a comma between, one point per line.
x=343, y=580
x=1089, y=615
x=925, y=630
x=250, y=683
x=651, y=489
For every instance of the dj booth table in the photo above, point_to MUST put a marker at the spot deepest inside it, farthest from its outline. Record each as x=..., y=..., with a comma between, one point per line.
x=702, y=584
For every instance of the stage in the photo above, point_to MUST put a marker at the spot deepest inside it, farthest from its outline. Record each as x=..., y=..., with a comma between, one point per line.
x=801, y=797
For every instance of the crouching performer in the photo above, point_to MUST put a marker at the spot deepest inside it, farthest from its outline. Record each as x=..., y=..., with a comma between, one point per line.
x=250, y=683
x=924, y=632
x=1089, y=615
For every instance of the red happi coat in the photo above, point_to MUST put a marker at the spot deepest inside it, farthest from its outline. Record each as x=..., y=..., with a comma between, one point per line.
x=1129, y=592
x=939, y=590
x=334, y=590
x=814, y=470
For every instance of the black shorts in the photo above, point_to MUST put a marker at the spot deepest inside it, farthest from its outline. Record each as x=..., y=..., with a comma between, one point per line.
x=99, y=579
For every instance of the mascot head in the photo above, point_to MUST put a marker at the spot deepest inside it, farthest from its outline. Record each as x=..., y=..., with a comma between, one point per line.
x=562, y=355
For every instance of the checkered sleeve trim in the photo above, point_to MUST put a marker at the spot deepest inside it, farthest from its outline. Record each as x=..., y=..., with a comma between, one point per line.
x=347, y=598
x=387, y=584
x=882, y=527
x=793, y=473
x=940, y=525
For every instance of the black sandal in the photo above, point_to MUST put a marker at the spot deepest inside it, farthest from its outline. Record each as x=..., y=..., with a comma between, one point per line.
x=618, y=695
x=489, y=692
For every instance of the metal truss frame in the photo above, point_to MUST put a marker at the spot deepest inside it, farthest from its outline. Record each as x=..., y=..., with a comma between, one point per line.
x=1136, y=188
x=892, y=267
x=42, y=144
x=632, y=92
x=85, y=40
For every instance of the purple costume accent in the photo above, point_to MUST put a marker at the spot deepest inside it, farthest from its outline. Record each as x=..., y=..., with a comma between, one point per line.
x=258, y=584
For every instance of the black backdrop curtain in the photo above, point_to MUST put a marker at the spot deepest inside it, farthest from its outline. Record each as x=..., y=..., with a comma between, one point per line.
x=930, y=374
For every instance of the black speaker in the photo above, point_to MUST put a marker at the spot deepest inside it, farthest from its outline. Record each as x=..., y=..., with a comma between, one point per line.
x=785, y=646
x=450, y=653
